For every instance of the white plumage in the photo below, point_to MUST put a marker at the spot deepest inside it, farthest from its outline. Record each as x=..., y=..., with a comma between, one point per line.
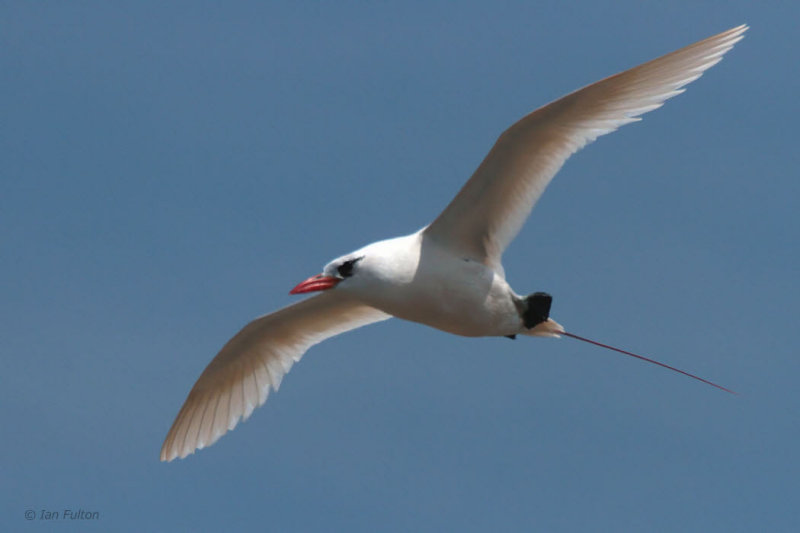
x=448, y=275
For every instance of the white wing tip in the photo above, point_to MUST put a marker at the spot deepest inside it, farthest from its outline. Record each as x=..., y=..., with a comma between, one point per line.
x=189, y=434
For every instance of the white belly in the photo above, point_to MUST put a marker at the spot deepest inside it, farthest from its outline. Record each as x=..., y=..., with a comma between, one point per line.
x=449, y=293
x=472, y=314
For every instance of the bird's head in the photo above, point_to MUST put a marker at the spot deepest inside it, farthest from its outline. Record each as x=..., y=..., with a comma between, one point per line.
x=335, y=272
x=369, y=270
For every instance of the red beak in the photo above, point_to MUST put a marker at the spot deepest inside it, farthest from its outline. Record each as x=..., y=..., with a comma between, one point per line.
x=316, y=283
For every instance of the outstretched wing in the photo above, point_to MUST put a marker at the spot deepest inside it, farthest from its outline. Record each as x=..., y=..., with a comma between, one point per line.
x=492, y=206
x=239, y=378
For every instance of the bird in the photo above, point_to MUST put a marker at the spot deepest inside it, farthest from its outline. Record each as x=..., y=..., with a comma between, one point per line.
x=449, y=274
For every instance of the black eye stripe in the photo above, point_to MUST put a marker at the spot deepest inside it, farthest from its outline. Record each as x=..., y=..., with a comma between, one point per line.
x=345, y=270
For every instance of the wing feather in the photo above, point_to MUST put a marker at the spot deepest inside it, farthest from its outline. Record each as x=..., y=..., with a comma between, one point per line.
x=491, y=208
x=239, y=378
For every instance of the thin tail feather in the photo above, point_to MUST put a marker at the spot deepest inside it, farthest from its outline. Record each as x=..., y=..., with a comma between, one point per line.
x=643, y=358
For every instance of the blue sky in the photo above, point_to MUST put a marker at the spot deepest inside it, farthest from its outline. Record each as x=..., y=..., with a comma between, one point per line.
x=170, y=172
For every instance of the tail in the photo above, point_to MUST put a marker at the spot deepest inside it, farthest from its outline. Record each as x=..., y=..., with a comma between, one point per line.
x=548, y=328
x=535, y=310
x=646, y=359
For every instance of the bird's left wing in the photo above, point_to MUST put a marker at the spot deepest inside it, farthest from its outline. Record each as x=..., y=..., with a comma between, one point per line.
x=239, y=378
x=490, y=209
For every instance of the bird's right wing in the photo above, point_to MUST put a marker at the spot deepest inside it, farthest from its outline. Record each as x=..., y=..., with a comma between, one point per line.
x=492, y=206
x=239, y=378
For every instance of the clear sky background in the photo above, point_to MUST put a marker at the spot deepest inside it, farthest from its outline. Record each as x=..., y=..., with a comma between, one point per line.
x=169, y=172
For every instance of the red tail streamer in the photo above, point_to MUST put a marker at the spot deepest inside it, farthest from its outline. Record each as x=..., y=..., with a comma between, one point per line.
x=643, y=358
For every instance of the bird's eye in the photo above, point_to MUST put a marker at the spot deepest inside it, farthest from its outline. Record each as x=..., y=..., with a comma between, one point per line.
x=345, y=270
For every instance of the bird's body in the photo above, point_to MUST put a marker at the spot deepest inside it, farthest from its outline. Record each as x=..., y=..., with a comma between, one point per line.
x=449, y=274
x=418, y=279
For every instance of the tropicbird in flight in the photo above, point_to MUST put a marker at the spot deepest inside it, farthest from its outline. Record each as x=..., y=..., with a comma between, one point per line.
x=448, y=275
